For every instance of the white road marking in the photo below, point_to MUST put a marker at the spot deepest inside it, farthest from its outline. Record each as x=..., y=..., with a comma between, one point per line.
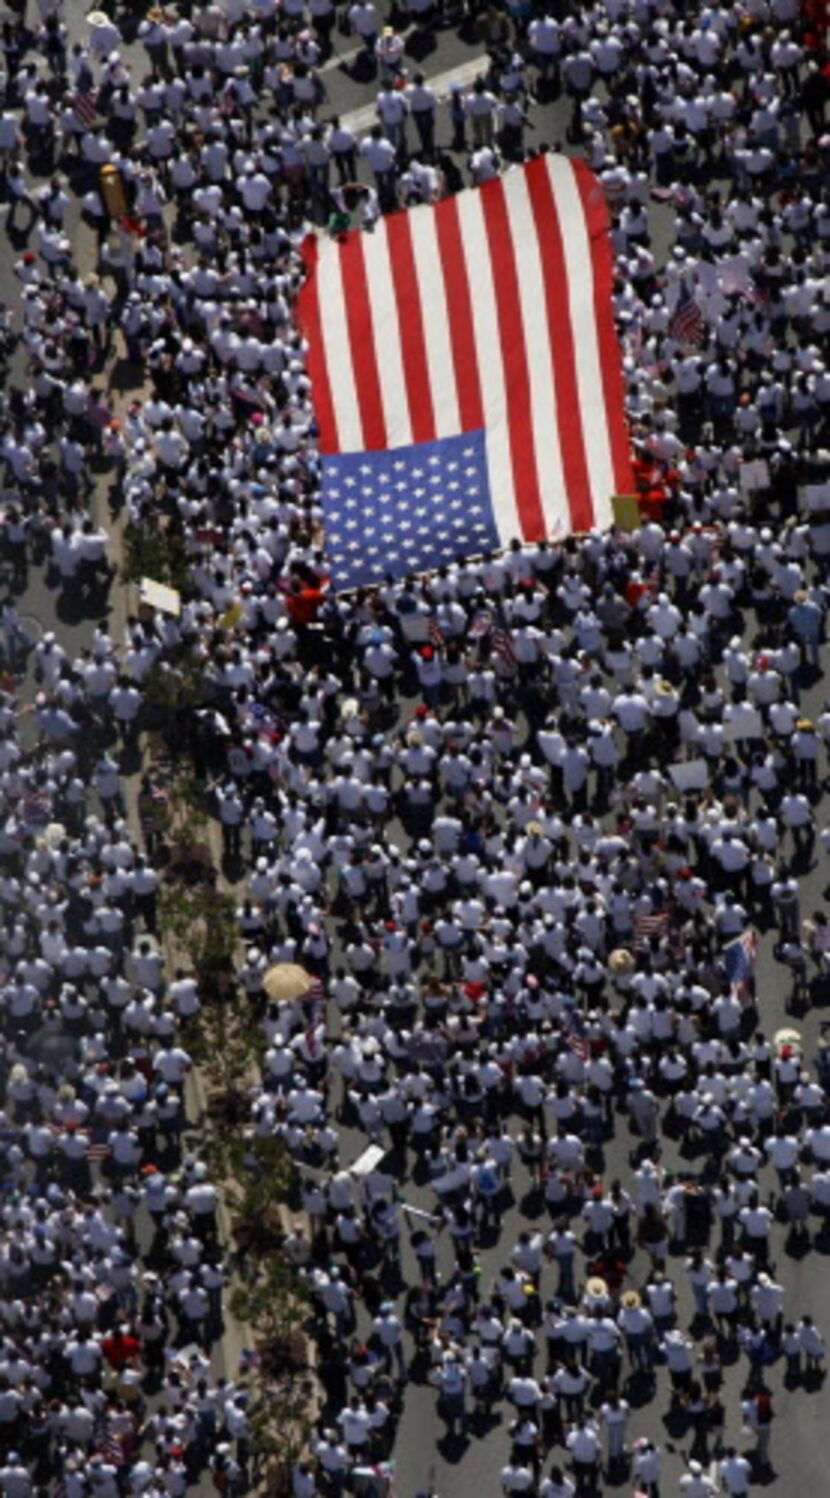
x=340, y=60
x=361, y=120
x=345, y=59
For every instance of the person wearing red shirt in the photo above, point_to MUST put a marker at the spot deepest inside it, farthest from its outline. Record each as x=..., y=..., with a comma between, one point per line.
x=304, y=603
x=121, y=1348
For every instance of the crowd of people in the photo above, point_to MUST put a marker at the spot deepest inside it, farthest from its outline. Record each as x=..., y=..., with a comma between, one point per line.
x=523, y=821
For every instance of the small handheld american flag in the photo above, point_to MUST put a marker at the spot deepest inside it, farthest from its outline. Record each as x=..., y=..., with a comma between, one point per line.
x=573, y=1029
x=647, y=926
x=687, y=324
x=85, y=109
x=504, y=651
x=739, y=962
x=97, y=1151
x=435, y=633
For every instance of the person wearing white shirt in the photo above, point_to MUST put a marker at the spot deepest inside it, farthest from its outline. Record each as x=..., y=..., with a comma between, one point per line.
x=392, y=109
x=767, y=1301
x=254, y=189
x=355, y=1424
x=584, y=1446
x=735, y=1473
x=695, y=1483
x=381, y=155
x=557, y=1485
x=15, y=1479
x=817, y=1141
x=646, y=1466
x=303, y=1481
x=517, y=1478
x=783, y=1151
x=451, y=1378
x=363, y=20
x=481, y=106
x=756, y=1221
x=812, y=1344
x=614, y=1417
x=544, y=35
x=423, y=106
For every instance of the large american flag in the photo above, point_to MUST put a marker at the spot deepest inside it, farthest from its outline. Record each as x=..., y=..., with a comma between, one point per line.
x=466, y=374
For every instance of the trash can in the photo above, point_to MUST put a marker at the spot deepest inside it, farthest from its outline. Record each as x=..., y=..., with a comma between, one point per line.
x=112, y=192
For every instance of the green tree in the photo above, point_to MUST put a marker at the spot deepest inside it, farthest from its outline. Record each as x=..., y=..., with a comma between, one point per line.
x=173, y=690
x=154, y=551
x=272, y=1301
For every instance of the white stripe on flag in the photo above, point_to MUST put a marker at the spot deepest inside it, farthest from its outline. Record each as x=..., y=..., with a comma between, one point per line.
x=490, y=364
x=580, y=269
x=337, y=347
x=538, y=343
x=386, y=324
x=436, y=321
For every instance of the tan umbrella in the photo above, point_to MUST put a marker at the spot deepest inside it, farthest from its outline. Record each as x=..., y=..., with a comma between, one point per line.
x=286, y=981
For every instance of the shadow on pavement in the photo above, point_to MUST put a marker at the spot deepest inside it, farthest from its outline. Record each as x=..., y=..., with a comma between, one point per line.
x=420, y=44
x=74, y=606
x=453, y=1447
x=125, y=375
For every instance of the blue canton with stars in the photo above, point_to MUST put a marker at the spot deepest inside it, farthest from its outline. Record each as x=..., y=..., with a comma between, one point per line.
x=406, y=509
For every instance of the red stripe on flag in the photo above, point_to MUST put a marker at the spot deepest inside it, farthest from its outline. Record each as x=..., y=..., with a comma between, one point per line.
x=362, y=342
x=560, y=333
x=411, y=323
x=514, y=359
x=308, y=314
x=460, y=309
x=595, y=209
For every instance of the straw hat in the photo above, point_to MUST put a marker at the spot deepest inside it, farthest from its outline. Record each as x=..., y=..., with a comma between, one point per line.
x=534, y=829
x=622, y=961
x=630, y=1300
x=596, y=1288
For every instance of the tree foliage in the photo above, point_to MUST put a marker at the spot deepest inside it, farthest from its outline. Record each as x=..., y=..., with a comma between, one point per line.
x=155, y=551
